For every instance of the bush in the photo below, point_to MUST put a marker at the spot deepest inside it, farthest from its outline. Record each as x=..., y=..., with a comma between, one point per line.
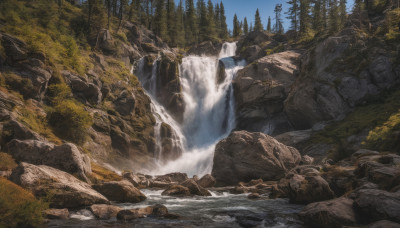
x=58, y=93
x=17, y=83
x=386, y=136
x=6, y=162
x=70, y=121
x=18, y=207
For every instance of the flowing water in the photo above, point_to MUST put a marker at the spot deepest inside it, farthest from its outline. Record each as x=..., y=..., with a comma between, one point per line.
x=209, y=109
x=219, y=210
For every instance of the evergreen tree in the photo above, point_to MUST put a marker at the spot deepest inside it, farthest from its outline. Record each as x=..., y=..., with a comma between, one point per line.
x=251, y=27
x=224, y=27
x=179, y=24
x=217, y=19
x=324, y=12
x=257, y=22
x=278, y=27
x=357, y=10
x=269, y=29
x=191, y=29
x=236, y=27
x=293, y=14
x=160, y=19
x=245, y=26
x=211, y=31
x=202, y=21
x=334, y=19
x=343, y=12
x=171, y=22
x=304, y=16
x=317, y=17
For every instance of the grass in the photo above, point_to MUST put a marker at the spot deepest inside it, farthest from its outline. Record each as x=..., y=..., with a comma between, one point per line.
x=101, y=174
x=18, y=207
x=380, y=116
x=7, y=162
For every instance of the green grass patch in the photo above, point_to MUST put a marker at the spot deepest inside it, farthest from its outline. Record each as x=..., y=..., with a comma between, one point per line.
x=18, y=207
x=379, y=116
x=6, y=162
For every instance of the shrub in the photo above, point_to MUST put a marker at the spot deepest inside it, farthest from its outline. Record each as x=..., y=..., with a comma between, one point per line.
x=70, y=121
x=17, y=83
x=6, y=162
x=18, y=207
x=384, y=137
x=58, y=93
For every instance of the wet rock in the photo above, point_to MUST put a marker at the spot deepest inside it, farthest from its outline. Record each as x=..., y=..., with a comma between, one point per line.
x=157, y=210
x=104, y=211
x=172, y=177
x=376, y=204
x=159, y=184
x=330, y=214
x=244, y=156
x=176, y=190
x=207, y=181
x=127, y=215
x=194, y=188
x=66, y=157
x=254, y=196
x=66, y=190
x=56, y=213
x=120, y=191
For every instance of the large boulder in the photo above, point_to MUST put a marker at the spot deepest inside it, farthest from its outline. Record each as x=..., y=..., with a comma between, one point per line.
x=66, y=157
x=157, y=210
x=253, y=38
x=64, y=190
x=375, y=204
x=384, y=224
x=125, y=103
x=207, y=181
x=205, y=48
x=194, y=188
x=54, y=213
x=334, y=213
x=15, y=48
x=244, y=156
x=176, y=190
x=172, y=177
x=83, y=88
x=262, y=87
x=104, y=211
x=120, y=191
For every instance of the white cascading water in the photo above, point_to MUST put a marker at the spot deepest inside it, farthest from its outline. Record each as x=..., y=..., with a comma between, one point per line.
x=209, y=109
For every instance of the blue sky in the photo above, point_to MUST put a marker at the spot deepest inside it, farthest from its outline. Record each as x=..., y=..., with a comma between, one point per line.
x=247, y=8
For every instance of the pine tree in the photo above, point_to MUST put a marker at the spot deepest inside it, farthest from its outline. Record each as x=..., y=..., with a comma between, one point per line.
x=257, y=22
x=343, y=12
x=217, y=19
x=245, y=26
x=202, y=21
x=171, y=22
x=160, y=25
x=334, y=19
x=324, y=12
x=317, y=17
x=293, y=14
x=179, y=24
x=357, y=10
x=224, y=27
x=236, y=27
x=211, y=31
x=304, y=16
x=251, y=27
x=191, y=29
x=269, y=29
x=278, y=27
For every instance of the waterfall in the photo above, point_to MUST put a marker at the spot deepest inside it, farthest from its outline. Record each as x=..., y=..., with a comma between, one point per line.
x=209, y=109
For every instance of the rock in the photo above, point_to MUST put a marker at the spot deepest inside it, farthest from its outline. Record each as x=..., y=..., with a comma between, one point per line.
x=134, y=179
x=194, y=188
x=66, y=190
x=157, y=210
x=251, y=53
x=362, y=152
x=159, y=184
x=306, y=160
x=104, y=211
x=56, y=213
x=334, y=213
x=66, y=157
x=245, y=156
x=125, y=103
x=253, y=38
x=82, y=88
x=176, y=190
x=205, y=48
x=139, y=34
x=292, y=138
x=382, y=72
x=15, y=49
x=375, y=204
x=120, y=191
x=172, y=177
x=15, y=130
x=106, y=42
x=383, y=224
x=207, y=181
x=261, y=88
x=254, y=196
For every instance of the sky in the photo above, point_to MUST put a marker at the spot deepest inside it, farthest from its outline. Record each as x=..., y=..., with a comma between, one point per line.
x=247, y=8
